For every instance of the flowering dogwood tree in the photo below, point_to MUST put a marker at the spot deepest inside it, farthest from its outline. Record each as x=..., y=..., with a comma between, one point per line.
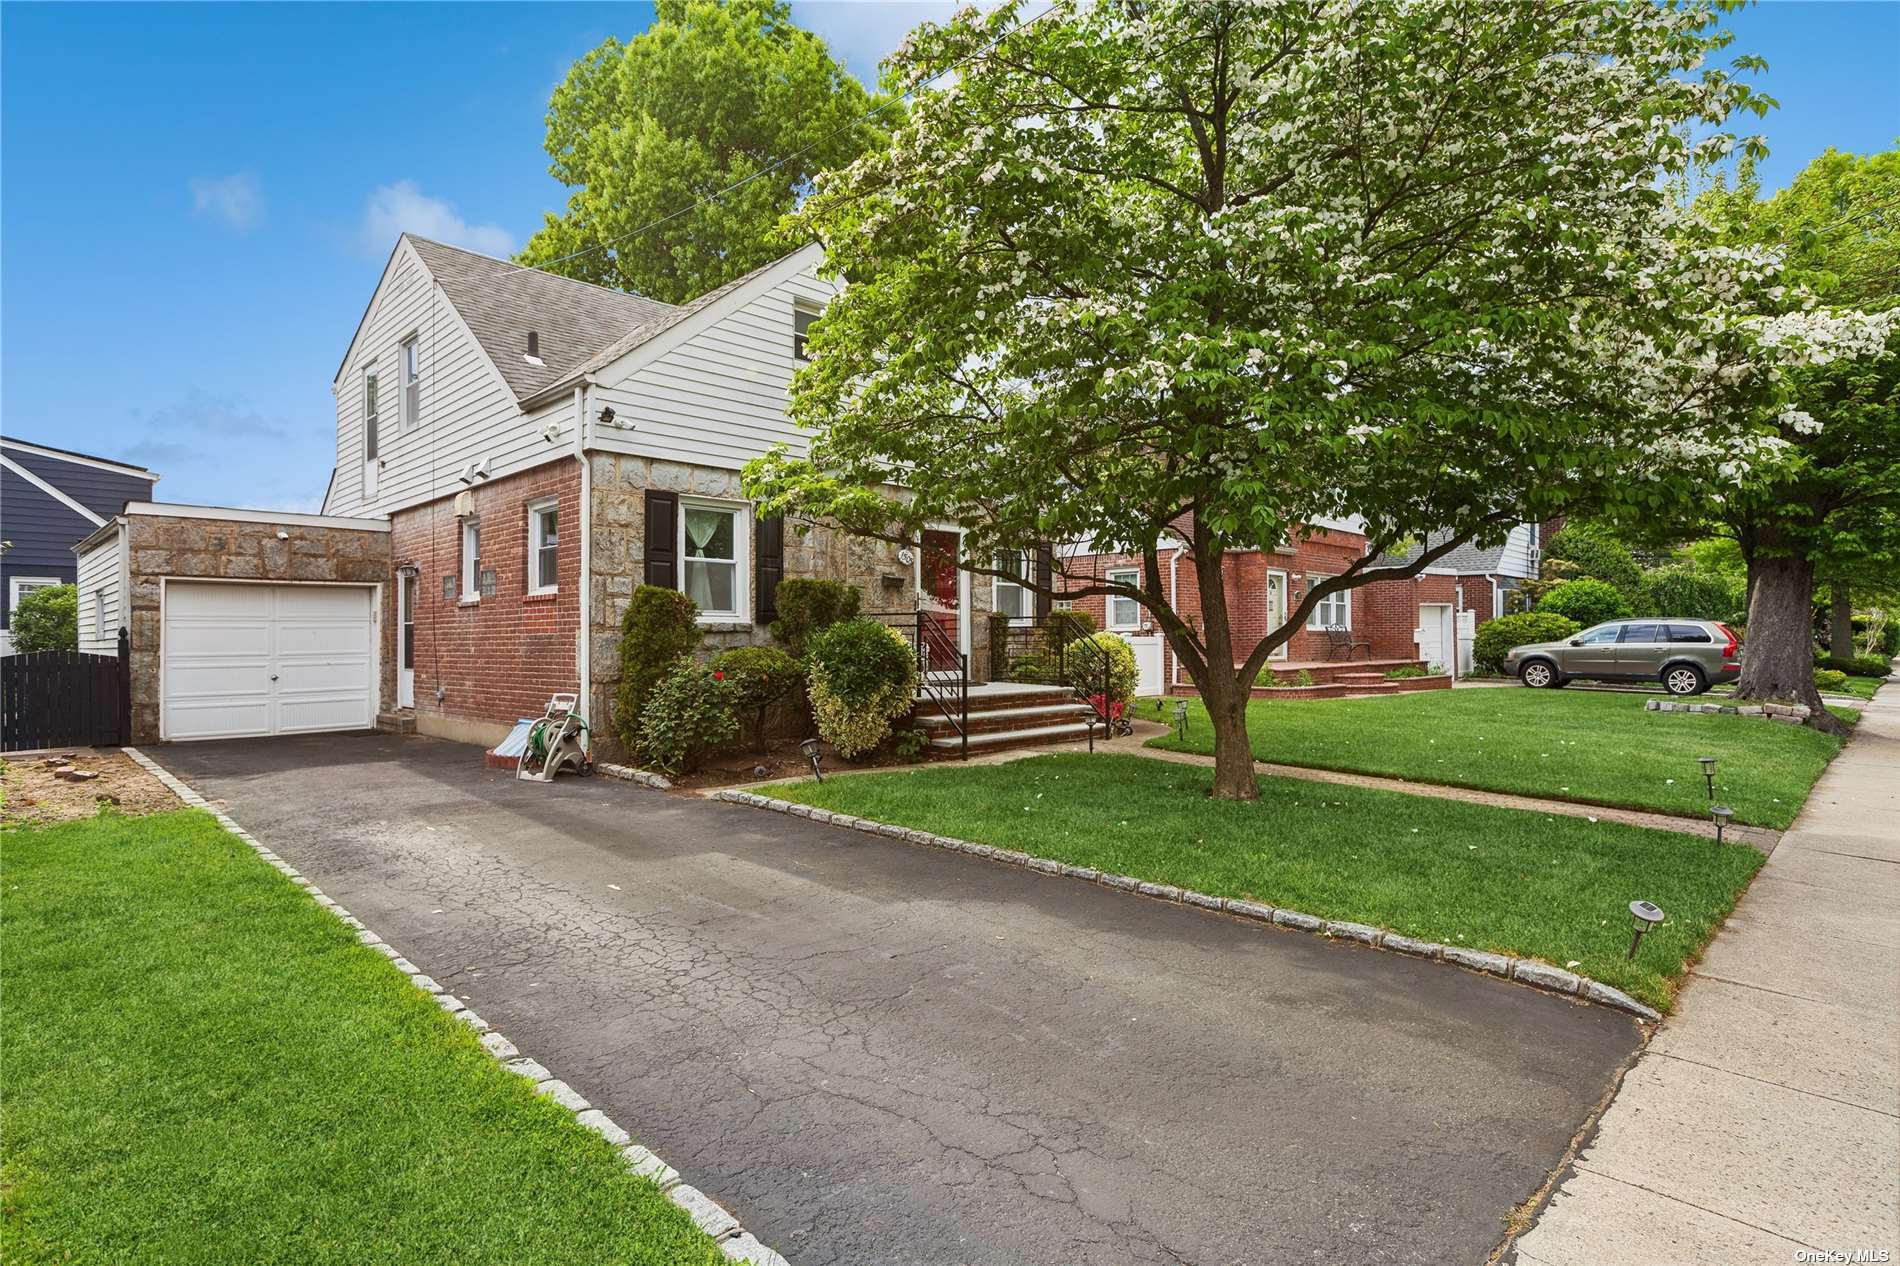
x=1224, y=270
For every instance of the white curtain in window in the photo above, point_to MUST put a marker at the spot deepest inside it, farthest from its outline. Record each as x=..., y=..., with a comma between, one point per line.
x=709, y=559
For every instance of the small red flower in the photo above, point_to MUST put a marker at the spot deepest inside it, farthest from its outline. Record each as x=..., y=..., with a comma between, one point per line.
x=718, y=676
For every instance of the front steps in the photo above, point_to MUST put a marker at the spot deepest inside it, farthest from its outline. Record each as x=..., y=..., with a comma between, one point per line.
x=1003, y=715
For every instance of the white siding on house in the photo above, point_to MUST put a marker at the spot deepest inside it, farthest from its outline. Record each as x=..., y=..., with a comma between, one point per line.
x=715, y=396
x=468, y=414
x=101, y=583
x=1518, y=558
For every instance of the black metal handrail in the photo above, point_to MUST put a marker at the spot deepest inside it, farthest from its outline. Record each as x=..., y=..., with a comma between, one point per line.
x=1055, y=650
x=934, y=646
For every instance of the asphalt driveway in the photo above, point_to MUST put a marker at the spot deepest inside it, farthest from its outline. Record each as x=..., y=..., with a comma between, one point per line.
x=878, y=1053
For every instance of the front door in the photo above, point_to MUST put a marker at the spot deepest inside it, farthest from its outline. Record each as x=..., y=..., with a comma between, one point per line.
x=1276, y=610
x=942, y=586
x=406, y=639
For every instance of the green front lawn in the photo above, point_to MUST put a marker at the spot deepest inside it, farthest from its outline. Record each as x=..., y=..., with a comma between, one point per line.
x=1593, y=747
x=1525, y=884
x=201, y=1065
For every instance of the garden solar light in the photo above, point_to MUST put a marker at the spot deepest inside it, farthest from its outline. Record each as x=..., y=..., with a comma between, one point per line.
x=1708, y=772
x=1092, y=722
x=810, y=748
x=1644, y=915
x=1180, y=717
x=1721, y=813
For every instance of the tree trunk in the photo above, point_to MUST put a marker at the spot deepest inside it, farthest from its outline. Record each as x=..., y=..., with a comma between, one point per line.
x=1778, y=666
x=1840, y=621
x=1221, y=688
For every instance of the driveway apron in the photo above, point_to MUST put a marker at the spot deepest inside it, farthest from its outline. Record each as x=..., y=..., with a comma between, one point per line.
x=877, y=1053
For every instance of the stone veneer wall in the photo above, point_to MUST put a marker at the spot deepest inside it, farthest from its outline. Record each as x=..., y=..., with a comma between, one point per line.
x=225, y=549
x=619, y=563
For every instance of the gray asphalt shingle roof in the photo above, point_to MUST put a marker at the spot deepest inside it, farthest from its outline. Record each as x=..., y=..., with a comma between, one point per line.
x=1465, y=560
x=502, y=302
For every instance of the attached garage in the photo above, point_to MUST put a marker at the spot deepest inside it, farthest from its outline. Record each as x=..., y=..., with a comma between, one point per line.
x=243, y=623
x=243, y=660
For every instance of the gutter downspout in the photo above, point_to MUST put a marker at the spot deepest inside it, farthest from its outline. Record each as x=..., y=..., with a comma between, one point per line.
x=1174, y=605
x=583, y=657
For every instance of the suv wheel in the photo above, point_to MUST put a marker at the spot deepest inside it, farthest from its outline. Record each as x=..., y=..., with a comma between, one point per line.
x=1684, y=679
x=1539, y=674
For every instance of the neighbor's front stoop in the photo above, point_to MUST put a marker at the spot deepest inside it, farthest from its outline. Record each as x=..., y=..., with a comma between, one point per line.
x=1526, y=971
x=734, y=1241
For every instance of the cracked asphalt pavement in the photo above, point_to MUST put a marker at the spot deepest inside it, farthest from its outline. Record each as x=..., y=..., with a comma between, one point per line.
x=873, y=1052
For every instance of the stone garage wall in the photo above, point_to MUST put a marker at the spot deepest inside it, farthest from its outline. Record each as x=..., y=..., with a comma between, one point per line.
x=162, y=546
x=619, y=563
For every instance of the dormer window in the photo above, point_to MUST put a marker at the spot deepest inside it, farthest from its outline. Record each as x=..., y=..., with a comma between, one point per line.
x=803, y=314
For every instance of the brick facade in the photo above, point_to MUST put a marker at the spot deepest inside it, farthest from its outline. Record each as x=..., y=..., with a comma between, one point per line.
x=499, y=658
x=162, y=547
x=1385, y=613
x=620, y=484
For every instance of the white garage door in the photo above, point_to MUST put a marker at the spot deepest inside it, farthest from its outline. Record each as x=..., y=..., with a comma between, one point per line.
x=247, y=660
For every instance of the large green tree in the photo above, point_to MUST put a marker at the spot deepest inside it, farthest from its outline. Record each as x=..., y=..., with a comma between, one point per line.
x=1228, y=269
x=1826, y=510
x=709, y=96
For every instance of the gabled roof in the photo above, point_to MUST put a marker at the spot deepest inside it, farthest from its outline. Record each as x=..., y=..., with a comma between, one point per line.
x=501, y=302
x=1466, y=559
x=48, y=450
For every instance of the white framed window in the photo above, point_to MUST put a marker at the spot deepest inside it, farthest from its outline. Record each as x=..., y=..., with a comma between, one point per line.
x=1009, y=595
x=713, y=563
x=1334, y=611
x=99, y=614
x=372, y=415
x=543, y=546
x=1124, y=613
x=411, y=369
x=803, y=314
x=471, y=560
x=20, y=586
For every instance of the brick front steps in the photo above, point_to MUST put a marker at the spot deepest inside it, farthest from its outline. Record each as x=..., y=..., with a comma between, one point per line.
x=1003, y=715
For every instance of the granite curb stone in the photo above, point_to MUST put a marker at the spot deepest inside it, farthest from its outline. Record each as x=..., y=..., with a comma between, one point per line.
x=1524, y=971
x=734, y=1241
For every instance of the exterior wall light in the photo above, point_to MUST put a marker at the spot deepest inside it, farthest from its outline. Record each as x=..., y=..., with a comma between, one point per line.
x=1644, y=915
x=1722, y=815
x=810, y=748
x=1708, y=772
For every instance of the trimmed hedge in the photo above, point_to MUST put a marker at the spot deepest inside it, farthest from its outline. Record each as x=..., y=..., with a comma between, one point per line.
x=756, y=677
x=863, y=677
x=661, y=626
x=1496, y=638
x=807, y=607
x=1587, y=602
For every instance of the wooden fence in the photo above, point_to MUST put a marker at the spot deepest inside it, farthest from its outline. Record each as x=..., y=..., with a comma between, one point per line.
x=66, y=699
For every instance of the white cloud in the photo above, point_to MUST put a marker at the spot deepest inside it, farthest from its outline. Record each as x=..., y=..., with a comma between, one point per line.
x=862, y=35
x=237, y=199
x=404, y=208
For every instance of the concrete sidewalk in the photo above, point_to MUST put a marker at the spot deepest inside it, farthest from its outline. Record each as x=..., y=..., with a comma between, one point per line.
x=1764, y=1118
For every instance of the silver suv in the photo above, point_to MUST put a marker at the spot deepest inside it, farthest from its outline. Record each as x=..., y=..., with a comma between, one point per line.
x=1686, y=656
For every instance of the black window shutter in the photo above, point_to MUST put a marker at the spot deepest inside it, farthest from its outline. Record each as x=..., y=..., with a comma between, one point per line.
x=1045, y=576
x=769, y=562
x=662, y=539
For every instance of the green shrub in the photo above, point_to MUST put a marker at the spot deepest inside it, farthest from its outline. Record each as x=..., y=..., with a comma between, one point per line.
x=47, y=620
x=1083, y=668
x=1495, y=638
x=863, y=676
x=660, y=626
x=1060, y=628
x=1855, y=666
x=1405, y=672
x=687, y=713
x=756, y=677
x=1594, y=554
x=1586, y=601
x=999, y=646
x=1034, y=669
x=1829, y=679
x=1695, y=595
x=807, y=607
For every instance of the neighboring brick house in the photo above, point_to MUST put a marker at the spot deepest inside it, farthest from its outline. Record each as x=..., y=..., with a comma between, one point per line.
x=1428, y=619
x=527, y=449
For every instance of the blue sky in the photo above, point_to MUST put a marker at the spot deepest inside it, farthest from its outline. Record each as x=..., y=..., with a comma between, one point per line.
x=196, y=200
